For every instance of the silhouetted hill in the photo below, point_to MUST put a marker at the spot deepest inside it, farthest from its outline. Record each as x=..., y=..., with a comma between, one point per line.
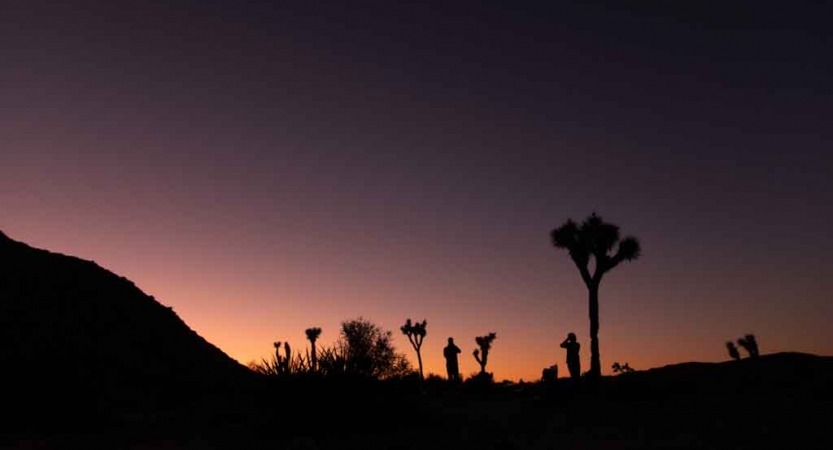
x=773, y=372
x=78, y=340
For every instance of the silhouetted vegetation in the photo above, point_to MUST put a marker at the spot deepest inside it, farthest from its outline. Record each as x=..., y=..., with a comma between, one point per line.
x=312, y=336
x=622, y=368
x=282, y=365
x=481, y=355
x=750, y=344
x=367, y=350
x=733, y=351
x=416, y=334
x=595, y=239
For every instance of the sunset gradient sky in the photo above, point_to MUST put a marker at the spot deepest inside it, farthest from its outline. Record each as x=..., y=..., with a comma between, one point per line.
x=263, y=169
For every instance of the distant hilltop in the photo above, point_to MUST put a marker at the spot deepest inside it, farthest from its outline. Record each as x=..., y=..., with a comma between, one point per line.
x=75, y=336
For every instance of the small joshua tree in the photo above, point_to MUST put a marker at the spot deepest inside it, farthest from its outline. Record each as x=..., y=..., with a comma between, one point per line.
x=733, y=351
x=312, y=336
x=750, y=344
x=416, y=334
x=482, y=355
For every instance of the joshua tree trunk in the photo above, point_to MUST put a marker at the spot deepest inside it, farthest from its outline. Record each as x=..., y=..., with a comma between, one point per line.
x=595, y=360
x=419, y=358
x=314, y=357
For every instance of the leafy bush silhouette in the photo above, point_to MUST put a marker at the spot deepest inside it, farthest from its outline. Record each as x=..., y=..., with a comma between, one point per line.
x=621, y=369
x=750, y=344
x=594, y=238
x=733, y=351
x=416, y=334
x=366, y=350
x=481, y=355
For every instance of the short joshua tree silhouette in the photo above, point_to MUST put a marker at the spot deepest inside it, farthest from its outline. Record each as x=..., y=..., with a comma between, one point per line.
x=733, y=351
x=450, y=353
x=416, y=334
x=750, y=344
x=312, y=336
x=573, y=362
x=481, y=355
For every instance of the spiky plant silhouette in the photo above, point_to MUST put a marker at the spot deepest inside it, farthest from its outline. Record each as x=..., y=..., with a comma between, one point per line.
x=595, y=239
x=280, y=365
x=416, y=334
x=312, y=335
x=733, y=351
x=750, y=344
x=481, y=355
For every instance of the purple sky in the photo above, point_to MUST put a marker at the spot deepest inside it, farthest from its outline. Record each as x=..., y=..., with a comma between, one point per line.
x=263, y=169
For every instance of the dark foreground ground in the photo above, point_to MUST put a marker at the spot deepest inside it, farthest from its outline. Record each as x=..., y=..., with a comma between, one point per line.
x=778, y=401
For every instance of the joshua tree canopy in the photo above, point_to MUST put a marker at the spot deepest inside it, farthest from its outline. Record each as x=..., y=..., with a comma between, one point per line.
x=313, y=333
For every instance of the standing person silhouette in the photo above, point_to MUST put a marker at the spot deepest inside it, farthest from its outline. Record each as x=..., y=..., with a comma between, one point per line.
x=450, y=352
x=573, y=362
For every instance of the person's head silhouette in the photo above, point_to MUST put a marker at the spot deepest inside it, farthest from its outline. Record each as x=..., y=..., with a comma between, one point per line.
x=451, y=341
x=571, y=337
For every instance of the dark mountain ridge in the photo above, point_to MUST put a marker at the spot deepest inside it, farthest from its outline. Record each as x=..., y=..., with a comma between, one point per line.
x=81, y=339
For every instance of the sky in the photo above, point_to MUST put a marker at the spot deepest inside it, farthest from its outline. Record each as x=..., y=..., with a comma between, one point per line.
x=264, y=168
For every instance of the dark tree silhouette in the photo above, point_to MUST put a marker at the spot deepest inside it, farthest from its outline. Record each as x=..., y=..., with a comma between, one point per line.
x=369, y=351
x=594, y=238
x=416, y=334
x=482, y=355
x=733, y=351
x=750, y=344
x=312, y=336
x=622, y=368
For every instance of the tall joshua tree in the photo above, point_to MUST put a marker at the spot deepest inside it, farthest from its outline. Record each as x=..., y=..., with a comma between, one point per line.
x=595, y=239
x=481, y=355
x=312, y=336
x=416, y=334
